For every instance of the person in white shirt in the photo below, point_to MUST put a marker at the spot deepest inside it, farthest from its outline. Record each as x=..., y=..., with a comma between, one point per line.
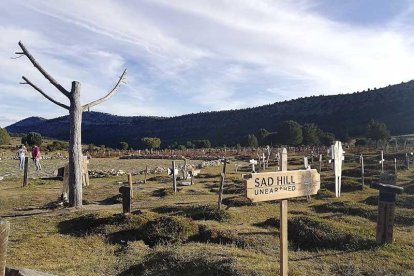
x=21, y=153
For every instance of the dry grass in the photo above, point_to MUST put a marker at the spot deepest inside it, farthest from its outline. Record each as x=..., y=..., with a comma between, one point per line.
x=328, y=236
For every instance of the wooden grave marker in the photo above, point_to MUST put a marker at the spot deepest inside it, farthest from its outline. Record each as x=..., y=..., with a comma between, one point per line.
x=386, y=207
x=173, y=171
x=282, y=185
x=126, y=199
x=26, y=172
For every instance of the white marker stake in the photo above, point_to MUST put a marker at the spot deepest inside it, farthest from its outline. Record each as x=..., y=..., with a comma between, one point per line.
x=305, y=162
x=361, y=160
x=338, y=157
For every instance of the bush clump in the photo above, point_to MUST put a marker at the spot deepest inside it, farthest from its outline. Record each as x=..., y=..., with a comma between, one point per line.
x=312, y=233
x=237, y=201
x=168, y=230
x=196, y=212
x=199, y=263
x=207, y=234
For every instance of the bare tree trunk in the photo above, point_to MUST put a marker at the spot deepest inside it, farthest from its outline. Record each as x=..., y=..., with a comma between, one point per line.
x=75, y=147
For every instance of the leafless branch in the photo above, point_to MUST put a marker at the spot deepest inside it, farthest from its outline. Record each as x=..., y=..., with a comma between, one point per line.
x=41, y=70
x=17, y=56
x=110, y=94
x=43, y=93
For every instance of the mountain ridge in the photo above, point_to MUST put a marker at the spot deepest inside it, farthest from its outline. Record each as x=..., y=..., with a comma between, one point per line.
x=342, y=114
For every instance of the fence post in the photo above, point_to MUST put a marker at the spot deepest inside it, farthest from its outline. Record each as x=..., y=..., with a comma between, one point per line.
x=4, y=237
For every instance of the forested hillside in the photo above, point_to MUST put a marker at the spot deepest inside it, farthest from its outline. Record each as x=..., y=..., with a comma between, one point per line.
x=346, y=114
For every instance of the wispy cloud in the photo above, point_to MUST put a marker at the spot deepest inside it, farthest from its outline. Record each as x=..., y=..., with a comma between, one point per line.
x=189, y=56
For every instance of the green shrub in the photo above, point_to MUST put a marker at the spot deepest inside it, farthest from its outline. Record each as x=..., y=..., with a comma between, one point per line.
x=4, y=137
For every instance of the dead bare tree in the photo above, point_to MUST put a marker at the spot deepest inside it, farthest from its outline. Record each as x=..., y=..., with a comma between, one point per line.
x=75, y=120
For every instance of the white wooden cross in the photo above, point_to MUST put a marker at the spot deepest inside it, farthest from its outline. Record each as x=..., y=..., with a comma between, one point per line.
x=253, y=162
x=338, y=157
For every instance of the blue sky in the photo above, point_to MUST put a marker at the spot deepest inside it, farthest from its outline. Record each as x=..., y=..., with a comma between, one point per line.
x=188, y=56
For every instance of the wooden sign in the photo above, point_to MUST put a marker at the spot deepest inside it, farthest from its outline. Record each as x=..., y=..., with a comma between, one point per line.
x=281, y=185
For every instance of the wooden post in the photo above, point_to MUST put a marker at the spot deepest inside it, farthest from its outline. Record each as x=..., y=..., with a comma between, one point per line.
x=174, y=177
x=145, y=174
x=26, y=172
x=185, y=169
x=264, y=162
x=386, y=208
x=407, y=161
x=320, y=163
x=361, y=158
x=126, y=199
x=4, y=237
x=395, y=166
x=223, y=174
x=283, y=228
x=382, y=161
x=130, y=184
x=305, y=162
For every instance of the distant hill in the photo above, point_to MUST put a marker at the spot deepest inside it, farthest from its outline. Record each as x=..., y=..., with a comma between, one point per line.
x=339, y=114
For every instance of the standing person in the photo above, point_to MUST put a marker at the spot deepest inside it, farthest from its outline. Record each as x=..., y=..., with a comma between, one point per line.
x=36, y=157
x=21, y=153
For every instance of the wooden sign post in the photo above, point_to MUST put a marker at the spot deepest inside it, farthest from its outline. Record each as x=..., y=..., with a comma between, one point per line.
x=281, y=186
x=338, y=157
x=386, y=207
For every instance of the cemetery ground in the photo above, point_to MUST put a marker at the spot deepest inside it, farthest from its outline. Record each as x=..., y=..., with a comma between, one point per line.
x=184, y=234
